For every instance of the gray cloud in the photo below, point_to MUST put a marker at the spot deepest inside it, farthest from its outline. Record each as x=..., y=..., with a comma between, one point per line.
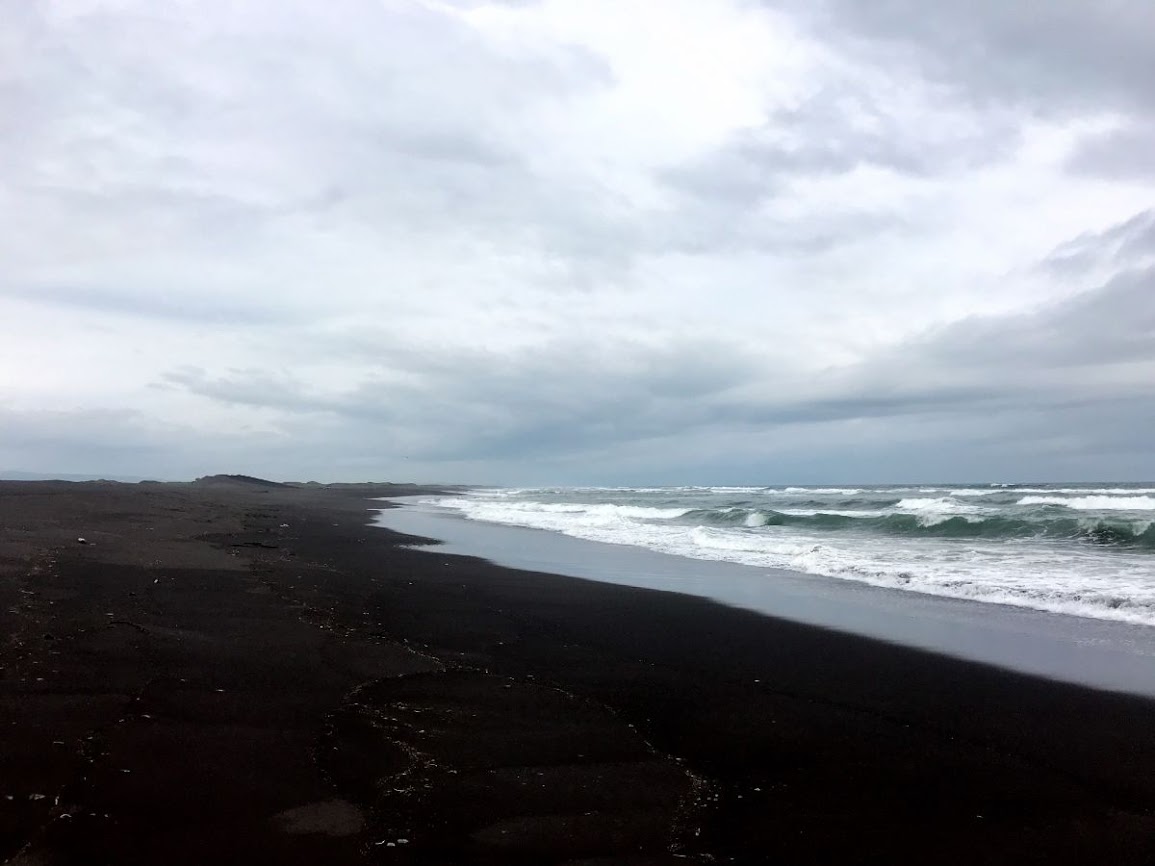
x=1083, y=359
x=563, y=396
x=1121, y=154
x=845, y=128
x=834, y=132
x=1125, y=245
x=157, y=302
x=1039, y=355
x=116, y=440
x=1061, y=55
x=230, y=139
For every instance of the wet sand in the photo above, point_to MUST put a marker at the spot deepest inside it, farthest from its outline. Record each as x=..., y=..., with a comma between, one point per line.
x=234, y=672
x=1102, y=654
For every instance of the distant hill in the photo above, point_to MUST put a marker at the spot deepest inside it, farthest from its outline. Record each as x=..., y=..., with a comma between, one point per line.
x=236, y=481
x=368, y=489
x=14, y=475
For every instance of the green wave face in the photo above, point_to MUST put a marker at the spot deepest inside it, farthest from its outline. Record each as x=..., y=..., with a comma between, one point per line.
x=1121, y=531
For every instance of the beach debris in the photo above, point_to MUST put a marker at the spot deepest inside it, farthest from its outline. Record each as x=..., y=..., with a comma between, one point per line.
x=36, y=797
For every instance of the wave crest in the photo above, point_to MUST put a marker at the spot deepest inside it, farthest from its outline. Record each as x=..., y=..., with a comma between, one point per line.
x=1064, y=561
x=1094, y=503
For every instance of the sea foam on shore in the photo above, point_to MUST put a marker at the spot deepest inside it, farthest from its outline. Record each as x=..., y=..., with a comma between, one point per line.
x=1086, y=550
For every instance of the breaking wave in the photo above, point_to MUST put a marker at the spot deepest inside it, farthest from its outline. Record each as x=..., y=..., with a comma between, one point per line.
x=1094, y=503
x=1088, y=551
x=1139, y=533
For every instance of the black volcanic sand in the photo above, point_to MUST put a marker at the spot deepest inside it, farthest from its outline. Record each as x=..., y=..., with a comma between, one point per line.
x=240, y=672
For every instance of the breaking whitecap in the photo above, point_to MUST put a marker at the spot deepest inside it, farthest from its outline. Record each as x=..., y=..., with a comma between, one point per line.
x=1087, y=550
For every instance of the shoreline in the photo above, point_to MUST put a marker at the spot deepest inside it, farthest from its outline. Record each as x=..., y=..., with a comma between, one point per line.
x=280, y=680
x=1085, y=556
x=1095, y=652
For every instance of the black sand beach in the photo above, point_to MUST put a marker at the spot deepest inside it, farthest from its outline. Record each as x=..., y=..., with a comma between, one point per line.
x=239, y=672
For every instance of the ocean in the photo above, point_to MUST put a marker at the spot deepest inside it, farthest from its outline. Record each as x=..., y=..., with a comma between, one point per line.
x=1080, y=549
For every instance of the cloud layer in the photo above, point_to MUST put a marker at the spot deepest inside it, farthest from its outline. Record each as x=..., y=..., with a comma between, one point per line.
x=576, y=241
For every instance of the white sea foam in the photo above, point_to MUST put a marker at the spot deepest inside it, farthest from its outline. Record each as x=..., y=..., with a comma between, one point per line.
x=1095, y=503
x=833, y=512
x=932, y=512
x=1066, y=491
x=1085, y=491
x=941, y=506
x=1084, y=580
x=994, y=490
x=980, y=574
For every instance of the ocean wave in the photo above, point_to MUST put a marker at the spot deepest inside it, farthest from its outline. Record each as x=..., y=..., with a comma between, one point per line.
x=1095, y=503
x=1120, y=532
x=1084, y=491
x=931, y=519
x=1120, y=601
x=1124, y=596
x=833, y=512
x=881, y=491
x=940, y=505
x=1084, y=565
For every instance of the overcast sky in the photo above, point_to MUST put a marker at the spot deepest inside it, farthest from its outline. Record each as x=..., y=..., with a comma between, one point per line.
x=579, y=241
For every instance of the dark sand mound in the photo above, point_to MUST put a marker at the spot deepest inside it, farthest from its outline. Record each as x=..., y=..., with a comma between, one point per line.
x=235, y=481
